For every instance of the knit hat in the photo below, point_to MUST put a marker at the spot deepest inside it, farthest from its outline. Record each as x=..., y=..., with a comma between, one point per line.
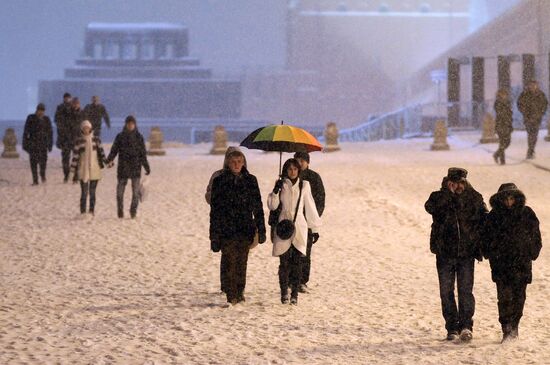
x=85, y=123
x=457, y=174
x=303, y=155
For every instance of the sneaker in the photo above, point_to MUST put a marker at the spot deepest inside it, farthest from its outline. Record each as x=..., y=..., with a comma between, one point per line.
x=452, y=336
x=302, y=288
x=294, y=301
x=241, y=298
x=284, y=299
x=466, y=335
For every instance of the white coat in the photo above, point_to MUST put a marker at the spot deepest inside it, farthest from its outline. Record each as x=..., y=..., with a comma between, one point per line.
x=288, y=197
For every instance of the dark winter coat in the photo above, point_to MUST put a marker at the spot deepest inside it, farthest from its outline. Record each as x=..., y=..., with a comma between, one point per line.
x=504, y=117
x=37, y=135
x=95, y=113
x=130, y=148
x=236, y=208
x=63, y=124
x=457, y=222
x=317, y=188
x=532, y=106
x=511, y=239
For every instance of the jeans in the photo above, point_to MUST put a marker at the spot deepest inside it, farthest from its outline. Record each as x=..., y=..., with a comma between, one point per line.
x=290, y=271
x=66, y=161
x=235, y=253
x=511, y=299
x=37, y=159
x=121, y=186
x=460, y=270
x=86, y=187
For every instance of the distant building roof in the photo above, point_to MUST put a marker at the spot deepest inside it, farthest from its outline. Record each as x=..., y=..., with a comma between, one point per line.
x=134, y=27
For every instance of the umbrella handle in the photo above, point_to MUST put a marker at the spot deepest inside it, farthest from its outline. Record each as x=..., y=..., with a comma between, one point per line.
x=280, y=163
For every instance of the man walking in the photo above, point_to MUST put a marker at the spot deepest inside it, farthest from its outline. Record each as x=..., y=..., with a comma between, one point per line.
x=458, y=212
x=95, y=113
x=532, y=103
x=236, y=214
x=318, y=192
x=64, y=133
x=37, y=141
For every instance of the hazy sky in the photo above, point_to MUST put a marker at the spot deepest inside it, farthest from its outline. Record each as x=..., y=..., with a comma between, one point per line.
x=40, y=38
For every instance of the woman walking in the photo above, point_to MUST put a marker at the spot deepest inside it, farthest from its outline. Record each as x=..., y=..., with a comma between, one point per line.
x=292, y=196
x=88, y=160
x=132, y=156
x=504, y=128
x=512, y=241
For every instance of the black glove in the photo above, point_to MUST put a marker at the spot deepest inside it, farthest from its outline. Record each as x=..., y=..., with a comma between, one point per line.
x=315, y=237
x=261, y=237
x=278, y=186
x=215, y=245
x=147, y=172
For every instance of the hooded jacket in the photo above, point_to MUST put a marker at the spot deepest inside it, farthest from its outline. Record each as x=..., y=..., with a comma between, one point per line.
x=457, y=222
x=511, y=239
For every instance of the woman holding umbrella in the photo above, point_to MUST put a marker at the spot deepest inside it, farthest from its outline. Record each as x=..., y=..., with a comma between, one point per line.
x=293, y=196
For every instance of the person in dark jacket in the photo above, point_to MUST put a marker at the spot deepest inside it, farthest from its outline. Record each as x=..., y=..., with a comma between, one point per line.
x=512, y=241
x=95, y=113
x=38, y=141
x=458, y=212
x=236, y=214
x=504, y=128
x=132, y=156
x=208, y=197
x=532, y=103
x=64, y=133
x=318, y=192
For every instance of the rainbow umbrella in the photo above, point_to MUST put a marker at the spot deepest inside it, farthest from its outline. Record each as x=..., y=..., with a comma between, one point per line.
x=281, y=138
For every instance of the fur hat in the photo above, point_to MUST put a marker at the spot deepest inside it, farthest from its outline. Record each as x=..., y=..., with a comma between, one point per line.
x=85, y=123
x=457, y=174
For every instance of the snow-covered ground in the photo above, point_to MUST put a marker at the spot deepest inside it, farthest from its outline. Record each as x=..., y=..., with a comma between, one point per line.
x=146, y=291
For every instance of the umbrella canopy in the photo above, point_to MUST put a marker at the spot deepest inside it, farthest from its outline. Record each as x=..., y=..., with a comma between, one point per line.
x=282, y=138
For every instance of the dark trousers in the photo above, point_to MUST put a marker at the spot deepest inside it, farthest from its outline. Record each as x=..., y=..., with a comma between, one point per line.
x=223, y=272
x=290, y=270
x=85, y=188
x=236, y=259
x=38, y=158
x=511, y=299
x=460, y=270
x=503, y=143
x=532, y=128
x=121, y=186
x=306, y=260
x=66, y=161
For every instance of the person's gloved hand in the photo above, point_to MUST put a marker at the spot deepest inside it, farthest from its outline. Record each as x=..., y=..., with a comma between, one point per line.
x=147, y=172
x=261, y=237
x=215, y=245
x=278, y=186
x=315, y=237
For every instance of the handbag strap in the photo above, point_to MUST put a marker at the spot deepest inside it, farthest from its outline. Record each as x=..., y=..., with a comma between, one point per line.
x=298, y=204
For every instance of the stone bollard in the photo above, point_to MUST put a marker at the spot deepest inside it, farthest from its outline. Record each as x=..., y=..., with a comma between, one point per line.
x=155, y=142
x=331, y=138
x=10, y=143
x=440, y=137
x=547, y=138
x=220, y=141
x=488, y=133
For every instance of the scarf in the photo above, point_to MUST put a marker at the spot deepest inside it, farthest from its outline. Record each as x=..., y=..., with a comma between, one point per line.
x=87, y=160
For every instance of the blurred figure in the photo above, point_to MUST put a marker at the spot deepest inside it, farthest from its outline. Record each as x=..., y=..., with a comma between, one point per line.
x=132, y=156
x=293, y=196
x=64, y=133
x=75, y=118
x=88, y=160
x=504, y=128
x=38, y=141
x=458, y=213
x=532, y=103
x=318, y=193
x=512, y=241
x=236, y=214
x=208, y=195
x=95, y=113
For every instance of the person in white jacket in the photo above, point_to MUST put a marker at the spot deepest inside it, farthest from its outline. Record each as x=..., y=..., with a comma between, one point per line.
x=289, y=192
